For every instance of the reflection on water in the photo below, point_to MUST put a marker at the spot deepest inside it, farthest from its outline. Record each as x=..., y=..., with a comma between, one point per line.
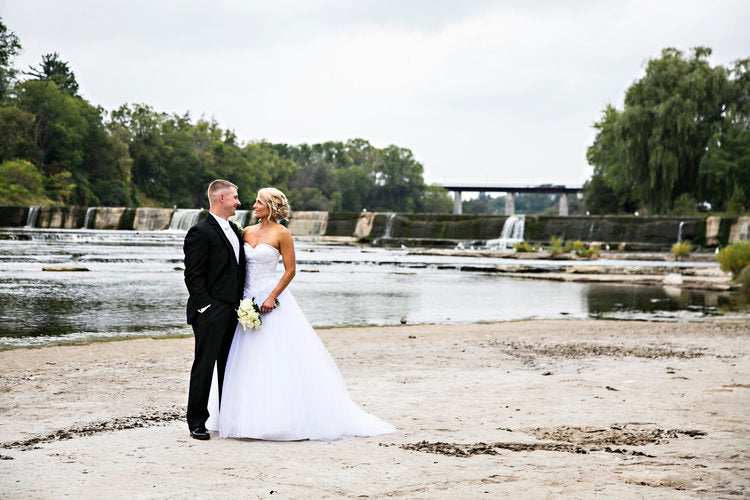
x=652, y=303
x=134, y=287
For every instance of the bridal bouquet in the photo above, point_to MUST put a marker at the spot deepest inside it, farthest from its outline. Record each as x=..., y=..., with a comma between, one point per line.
x=248, y=314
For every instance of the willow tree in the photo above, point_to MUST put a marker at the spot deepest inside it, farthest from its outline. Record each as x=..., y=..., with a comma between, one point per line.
x=654, y=148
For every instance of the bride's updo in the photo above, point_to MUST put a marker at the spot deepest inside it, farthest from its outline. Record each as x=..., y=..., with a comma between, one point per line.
x=278, y=206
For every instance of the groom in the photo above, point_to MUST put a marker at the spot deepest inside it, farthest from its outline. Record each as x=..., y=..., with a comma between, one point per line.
x=215, y=277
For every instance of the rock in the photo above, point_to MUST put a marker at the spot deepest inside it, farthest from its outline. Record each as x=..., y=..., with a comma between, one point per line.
x=672, y=279
x=64, y=268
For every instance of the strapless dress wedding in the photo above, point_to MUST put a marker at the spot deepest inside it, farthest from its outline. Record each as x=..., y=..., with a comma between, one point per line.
x=281, y=384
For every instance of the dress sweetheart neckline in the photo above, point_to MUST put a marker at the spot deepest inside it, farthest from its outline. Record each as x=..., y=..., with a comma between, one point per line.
x=259, y=244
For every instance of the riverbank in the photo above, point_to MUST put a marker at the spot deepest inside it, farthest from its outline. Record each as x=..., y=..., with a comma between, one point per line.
x=571, y=408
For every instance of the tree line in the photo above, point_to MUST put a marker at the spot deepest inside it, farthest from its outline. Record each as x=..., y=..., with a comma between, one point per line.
x=681, y=143
x=58, y=148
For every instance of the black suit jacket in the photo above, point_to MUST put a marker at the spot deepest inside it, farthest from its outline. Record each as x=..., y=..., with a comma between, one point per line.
x=211, y=269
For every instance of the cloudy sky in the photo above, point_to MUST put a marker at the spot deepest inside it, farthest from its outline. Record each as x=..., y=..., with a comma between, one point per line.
x=483, y=92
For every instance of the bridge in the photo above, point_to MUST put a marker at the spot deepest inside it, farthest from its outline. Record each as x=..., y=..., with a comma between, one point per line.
x=510, y=205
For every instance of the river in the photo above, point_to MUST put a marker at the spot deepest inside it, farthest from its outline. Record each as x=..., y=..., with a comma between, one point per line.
x=134, y=287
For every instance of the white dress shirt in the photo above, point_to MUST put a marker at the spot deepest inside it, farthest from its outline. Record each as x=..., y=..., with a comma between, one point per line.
x=231, y=235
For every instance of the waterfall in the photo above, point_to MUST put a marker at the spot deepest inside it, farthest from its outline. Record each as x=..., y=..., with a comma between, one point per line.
x=31, y=218
x=240, y=218
x=184, y=218
x=389, y=225
x=89, y=219
x=679, y=232
x=511, y=234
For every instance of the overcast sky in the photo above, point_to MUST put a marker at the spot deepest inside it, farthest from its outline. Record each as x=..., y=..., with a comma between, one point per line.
x=483, y=92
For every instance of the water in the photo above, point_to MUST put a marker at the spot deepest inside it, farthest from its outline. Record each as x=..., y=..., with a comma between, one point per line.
x=511, y=234
x=88, y=219
x=31, y=218
x=679, y=232
x=389, y=225
x=240, y=217
x=184, y=218
x=134, y=287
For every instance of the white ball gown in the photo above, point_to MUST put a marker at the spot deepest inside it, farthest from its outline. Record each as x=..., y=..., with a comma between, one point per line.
x=281, y=384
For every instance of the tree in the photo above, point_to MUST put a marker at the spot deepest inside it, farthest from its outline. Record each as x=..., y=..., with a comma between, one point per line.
x=20, y=183
x=680, y=133
x=399, y=180
x=17, y=134
x=436, y=200
x=725, y=166
x=611, y=189
x=10, y=46
x=53, y=69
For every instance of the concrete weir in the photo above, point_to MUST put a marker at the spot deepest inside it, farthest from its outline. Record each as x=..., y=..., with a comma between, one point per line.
x=151, y=219
x=623, y=232
x=308, y=223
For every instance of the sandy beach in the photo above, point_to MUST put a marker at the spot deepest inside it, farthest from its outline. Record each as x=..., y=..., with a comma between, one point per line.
x=547, y=408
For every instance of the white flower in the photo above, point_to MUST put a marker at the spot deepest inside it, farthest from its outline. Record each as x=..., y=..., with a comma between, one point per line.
x=248, y=314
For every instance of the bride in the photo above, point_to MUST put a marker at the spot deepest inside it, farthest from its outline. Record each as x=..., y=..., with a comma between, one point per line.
x=280, y=383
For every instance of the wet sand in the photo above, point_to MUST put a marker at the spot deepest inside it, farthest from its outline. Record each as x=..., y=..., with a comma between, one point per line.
x=549, y=408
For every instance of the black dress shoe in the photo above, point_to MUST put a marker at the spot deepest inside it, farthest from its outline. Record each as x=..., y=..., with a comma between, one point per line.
x=200, y=433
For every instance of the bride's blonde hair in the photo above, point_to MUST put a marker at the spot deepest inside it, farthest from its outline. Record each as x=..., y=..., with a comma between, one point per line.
x=278, y=206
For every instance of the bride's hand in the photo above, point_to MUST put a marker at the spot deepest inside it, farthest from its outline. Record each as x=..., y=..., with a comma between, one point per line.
x=268, y=305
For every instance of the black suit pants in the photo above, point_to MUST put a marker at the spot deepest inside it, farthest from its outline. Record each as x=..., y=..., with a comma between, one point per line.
x=214, y=330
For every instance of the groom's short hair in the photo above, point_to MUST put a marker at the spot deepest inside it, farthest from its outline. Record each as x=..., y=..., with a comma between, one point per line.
x=216, y=187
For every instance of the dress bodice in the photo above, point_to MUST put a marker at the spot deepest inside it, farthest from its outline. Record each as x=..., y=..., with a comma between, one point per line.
x=261, y=275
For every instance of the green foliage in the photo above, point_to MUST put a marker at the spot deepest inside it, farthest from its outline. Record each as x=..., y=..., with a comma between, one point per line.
x=10, y=46
x=53, y=69
x=578, y=246
x=556, y=244
x=681, y=137
x=20, y=182
x=60, y=186
x=589, y=253
x=525, y=203
x=437, y=200
x=734, y=258
x=365, y=177
x=682, y=249
x=685, y=204
x=136, y=155
x=17, y=129
x=524, y=246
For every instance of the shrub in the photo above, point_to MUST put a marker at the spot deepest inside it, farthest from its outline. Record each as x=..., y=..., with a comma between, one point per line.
x=682, y=249
x=524, y=246
x=555, y=245
x=735, y=257
x=578, y=246
x=589, y=253
x=20, y=183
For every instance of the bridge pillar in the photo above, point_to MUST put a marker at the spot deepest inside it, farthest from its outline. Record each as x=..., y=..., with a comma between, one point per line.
x=510, y=204
x=457, y=206
x=563, y=209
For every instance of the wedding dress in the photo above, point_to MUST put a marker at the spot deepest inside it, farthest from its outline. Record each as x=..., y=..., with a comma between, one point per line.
x=280, y=383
